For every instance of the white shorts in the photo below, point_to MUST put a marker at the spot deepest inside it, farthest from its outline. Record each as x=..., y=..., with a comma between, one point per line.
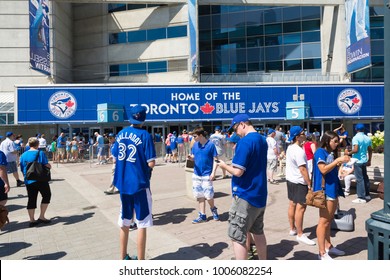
x=202, y=187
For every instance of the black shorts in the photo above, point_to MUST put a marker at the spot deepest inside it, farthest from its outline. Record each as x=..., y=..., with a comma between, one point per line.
x=296, y=192
x=3, y=195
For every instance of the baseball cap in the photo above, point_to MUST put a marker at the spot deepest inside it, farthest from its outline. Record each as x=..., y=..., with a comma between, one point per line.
x=218, y=128
x=237, y=119
x=359, y=127
x=294, y=132
x=8, y=134
x=271, y=131
x=137, y=114
x=111, y=135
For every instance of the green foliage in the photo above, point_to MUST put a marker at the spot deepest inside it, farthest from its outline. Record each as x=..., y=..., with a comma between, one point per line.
x=378, y=141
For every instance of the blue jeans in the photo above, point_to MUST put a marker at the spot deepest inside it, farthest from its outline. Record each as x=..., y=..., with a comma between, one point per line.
x=362, y=180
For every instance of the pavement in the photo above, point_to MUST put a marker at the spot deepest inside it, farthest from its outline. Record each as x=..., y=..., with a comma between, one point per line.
x=84, y=221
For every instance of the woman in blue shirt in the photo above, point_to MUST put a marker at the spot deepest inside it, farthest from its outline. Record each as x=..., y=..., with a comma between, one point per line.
x=325, y=168
x=33, y=187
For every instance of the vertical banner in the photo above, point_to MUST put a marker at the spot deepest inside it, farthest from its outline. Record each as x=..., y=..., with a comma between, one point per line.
x=358, y=35
x=193, y=26
x=39, y=36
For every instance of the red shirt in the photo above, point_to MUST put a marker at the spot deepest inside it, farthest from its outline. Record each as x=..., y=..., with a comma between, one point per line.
x=308, y=150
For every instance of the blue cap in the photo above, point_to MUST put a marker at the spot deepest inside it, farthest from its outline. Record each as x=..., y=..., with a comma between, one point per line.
x=8, y=134
x=111, y=135
x=270, y=131
x=294, y=132
x=237, y=119
x=137, y=114
x=174, y=133
x=218, y=128
x=360, y=127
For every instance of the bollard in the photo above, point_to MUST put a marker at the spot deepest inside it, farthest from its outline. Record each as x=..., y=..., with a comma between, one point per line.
x=189, y=170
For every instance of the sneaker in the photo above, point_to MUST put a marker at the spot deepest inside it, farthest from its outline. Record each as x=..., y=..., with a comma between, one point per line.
x=108, y=192
x=215, y=213
x=133, y=226
x=303, y=238
x=292, y=232
x=368, y=198
x=128, y=258
x=335, y=251
x=346, y=194
x=202, y=218
x=325, y=257
x=359, y=200
x=19, y=183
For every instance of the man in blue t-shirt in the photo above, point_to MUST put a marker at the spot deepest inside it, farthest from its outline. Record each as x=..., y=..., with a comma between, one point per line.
x=203, y=153
x=249, y=188
x=135, y=157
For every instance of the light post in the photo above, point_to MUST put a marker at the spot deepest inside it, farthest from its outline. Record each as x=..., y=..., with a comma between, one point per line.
x=378, y=226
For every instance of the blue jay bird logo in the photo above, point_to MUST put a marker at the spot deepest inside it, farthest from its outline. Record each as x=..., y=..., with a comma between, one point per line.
x=62, y=104
x=349, y=101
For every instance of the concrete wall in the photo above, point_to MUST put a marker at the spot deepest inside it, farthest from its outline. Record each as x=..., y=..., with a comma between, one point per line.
x=93, y=54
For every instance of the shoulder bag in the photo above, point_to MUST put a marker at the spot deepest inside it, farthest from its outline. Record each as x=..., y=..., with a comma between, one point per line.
x=37, y=171
x=316, y=199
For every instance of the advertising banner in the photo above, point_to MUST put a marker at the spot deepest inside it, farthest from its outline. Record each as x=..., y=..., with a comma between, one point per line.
x=358, y=35
x=39, y=36
x=198, y=103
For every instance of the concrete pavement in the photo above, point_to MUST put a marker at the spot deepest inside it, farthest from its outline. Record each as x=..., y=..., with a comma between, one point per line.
x=84, y=221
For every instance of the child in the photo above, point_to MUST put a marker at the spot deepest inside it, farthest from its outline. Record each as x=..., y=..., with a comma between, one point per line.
x=346, y=174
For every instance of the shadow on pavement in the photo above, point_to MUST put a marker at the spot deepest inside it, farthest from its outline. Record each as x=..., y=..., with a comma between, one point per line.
x=186, y=253
x=71, y=219
x=176, y=216
x=52, y=256
x=280, y=250
x=7, y=249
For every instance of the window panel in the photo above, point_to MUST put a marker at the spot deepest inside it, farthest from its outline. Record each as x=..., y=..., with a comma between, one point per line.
x=116, y=7
x=254, y=18
x=273, y=28
x=314, y=36
x=236, y=20
x=377, y=21
x=376, y=33
x=292, y=52
x=292, y=65
x=254, y=30
x=272, y=40
x=377, y=47
x=310, y=25
x=273, y=66
x=273, y=53
x=291, y=13
x=205, y=45
x=311, y=50
x=155, y=34
x=117, y=38
x=273, y=15
x=219, y=21
x=292, y=27
x=135, y=6
x=237, y=33
x=255, y=41
x=259, y=66
x=157, y=66
x=118, y=70
x=137, y=68
x=204, y=23
x=177, y=31
x=136, y=36
x=310, y=12
x=204, y=9
x=377, y=60
x=292, y=38
x=312, y=63
x=378, y=73
x=238, y=43
x=255, y=54
x=3, y=118
x=205, y=58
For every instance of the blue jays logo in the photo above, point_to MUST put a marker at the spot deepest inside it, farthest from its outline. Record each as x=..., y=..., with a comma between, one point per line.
x=349, y=101
x=62, y=104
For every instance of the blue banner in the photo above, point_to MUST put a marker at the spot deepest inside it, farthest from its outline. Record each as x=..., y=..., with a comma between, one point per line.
x=193, y=26
x=358, y=35
x=198, y=102
x=39, y=36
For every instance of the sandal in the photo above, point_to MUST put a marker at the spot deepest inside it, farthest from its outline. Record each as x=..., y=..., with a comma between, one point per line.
x=274, y=182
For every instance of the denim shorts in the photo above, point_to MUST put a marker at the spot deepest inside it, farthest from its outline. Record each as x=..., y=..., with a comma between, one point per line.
x=202, y=187
x=244, y=218
x=11, y=167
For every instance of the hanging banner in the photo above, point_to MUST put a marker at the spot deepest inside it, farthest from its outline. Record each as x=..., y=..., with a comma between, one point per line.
x=193, y=26
x=358, y=35
x=39, y=36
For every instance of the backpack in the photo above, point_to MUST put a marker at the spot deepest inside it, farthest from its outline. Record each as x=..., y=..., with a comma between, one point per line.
x=3, y=216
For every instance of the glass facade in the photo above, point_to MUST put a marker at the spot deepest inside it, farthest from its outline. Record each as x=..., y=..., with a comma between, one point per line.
x=241, y=39
x=143, y=68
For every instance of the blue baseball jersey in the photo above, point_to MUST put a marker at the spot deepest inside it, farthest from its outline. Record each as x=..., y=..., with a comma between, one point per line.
x=29, y=156
x=251, y=156
x=332, y=181
x=3, y=161
x=133, y=149
x=204, y=158
x=173, y=141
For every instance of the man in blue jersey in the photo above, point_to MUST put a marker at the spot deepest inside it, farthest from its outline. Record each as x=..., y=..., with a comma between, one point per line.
x=135, y=157
x=249, y=188
x=203, y=153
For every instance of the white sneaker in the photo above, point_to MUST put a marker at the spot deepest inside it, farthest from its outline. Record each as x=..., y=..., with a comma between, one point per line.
x=303, y=238
x=325, y=257
x=346, y=194
x=335, y=251
x=293, y=232
x=359, y=200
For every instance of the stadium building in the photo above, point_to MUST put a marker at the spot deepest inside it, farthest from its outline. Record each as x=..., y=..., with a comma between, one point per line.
x=190, y=62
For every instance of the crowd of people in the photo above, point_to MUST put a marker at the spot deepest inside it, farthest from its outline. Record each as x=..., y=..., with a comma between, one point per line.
x=306, y=160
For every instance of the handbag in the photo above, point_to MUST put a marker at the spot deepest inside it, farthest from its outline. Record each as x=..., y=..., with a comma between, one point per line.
x=3, y=216
x=317, y=198
x=37, y=171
